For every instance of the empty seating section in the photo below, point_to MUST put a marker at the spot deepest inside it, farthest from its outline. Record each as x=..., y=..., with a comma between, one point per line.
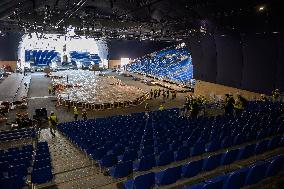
x=14, y=164
x=41, y=172
x=85, y=58
x=245, y=176
x=39, y=57
x=193, y=168
x=173, y=63
x=17, y=134
x=124, y=144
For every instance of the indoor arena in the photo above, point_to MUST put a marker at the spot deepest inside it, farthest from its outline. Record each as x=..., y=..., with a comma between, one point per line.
x=141, y=94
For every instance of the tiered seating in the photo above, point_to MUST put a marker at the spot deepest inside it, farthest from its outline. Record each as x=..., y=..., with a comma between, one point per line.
x=14, y=164
x=209, y=163
x=245, y=176
x=17, y=134
x=173, y=63
x=125, y=143
x=40, y=57
x=85, y=58
x=42, y=165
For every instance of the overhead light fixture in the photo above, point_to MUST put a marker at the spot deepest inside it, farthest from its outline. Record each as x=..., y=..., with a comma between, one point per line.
x=261, y=8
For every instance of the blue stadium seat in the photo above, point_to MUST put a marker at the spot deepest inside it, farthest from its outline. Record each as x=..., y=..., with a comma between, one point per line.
x=274, y=142
x=165, y=158
x=226, y=142
x=197, y=149
x=246, y=152
x=229, y=157
x=108, y=160
x=121, y=169
x=145, y=181
x=256, y=173
x=168, y=176
x=97, y=154
x=236, y=179
x=195, y=186
x=261, y=147
x=128, y=155
x=148, y=150
x=192, y=168
x=212, y=146
x=145, y=163
x=41, y=175
x=275, y=166
x=215, y=183
x=182, y=153
x=211, y=162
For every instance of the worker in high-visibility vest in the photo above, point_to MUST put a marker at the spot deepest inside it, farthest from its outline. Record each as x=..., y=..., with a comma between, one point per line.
x=276, y=95
x=75, y=113
x=161, y=107
x=52, y=122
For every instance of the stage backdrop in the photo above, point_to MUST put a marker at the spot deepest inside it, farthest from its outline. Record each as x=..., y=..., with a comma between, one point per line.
x=252, y=62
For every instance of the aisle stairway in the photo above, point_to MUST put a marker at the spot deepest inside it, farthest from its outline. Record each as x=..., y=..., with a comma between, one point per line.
x=71, y=167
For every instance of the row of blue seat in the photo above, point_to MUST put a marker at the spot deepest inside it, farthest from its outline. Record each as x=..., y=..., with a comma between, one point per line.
x=171, y=63
x=245, y=176
x=14, y=164
x=167, y=136
x=17, y=134
x=42, y=169
x=191, y=169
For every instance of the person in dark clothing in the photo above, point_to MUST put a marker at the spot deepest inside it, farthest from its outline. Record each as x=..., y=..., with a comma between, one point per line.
x=151, y=94
x=84, y=115
x=194, y=108
x=229, y=104
x=239, y=106
x=68, y=106
x=276, y=95
x=168, y=93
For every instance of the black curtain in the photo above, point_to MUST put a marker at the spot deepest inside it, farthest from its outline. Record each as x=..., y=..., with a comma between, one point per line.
x=253, y=61
x=229, y=59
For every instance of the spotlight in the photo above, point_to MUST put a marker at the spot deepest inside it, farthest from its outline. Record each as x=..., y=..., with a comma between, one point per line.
x=261, y=8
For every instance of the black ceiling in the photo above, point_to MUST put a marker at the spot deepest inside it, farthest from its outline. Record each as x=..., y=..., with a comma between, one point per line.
x=136, y=19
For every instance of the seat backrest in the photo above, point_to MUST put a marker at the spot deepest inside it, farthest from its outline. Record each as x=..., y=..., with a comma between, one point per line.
x=129, y=155
x=236, y=179
x=215, y=183
x=256, y=173
x=274, y=142
x=144, y=181
x=169, y=176
x=165, y=158
x=122, y=169
x=192, y=168
x=261, y=147
x=275, y=166
x=146, y=151
x=246, y=152
x=212, y=162
x=229, y=156
x=182, y=153
x=147, y=162
x=197, y=149
x=212, y=146
x=108, y=160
